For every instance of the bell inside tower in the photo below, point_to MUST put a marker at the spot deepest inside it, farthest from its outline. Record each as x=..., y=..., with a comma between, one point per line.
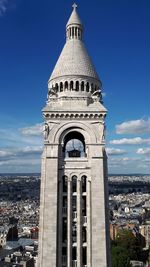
x=74, y=145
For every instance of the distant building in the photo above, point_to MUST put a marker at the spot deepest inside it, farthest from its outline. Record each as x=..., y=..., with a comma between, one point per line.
x=137, y=264
x=145, y=232
x=115, y=228
x=34, y=232
x=18, y=261
x=12, y=233
x=3, y=236
x=19, y=257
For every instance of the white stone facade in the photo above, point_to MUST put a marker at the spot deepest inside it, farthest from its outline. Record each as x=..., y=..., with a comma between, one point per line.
x=74, y=226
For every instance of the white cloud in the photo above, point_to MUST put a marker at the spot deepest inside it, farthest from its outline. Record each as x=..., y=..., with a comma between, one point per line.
x=114, y=160
x=130, y=141
x=20, y=145
x=30, y=150
x=34, y=130
x=143, y=151
x=20, y=165
x=14, y=153
x=20, y=162
x=120, y=163
x=129, y=165
x=3, y=6
x=4, y=153
x=114, y=151
x=25, y=159
x=146, y=160
x=134, y=127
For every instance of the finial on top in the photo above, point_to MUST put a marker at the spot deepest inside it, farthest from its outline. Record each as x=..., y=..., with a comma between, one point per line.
x=74, y=6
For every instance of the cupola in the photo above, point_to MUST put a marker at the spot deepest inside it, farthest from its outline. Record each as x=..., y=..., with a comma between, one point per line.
x=74, y=73
x=74, y=28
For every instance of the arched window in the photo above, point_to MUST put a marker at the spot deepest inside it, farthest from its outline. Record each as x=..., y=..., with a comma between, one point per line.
x=82, y=86
x=64, y=233
x=61, y=87
x=72, y=31
x=84, y=181
x=74, y=145
x=84, y=255
x=74, y=184
x=87, y=87
x=56, y=87
x=71, y=85
x=74, y=239
x=77, y=86
x=92, y=88
x=66, y=85
x=76, y=32
x=84, y=205
x=84, y=234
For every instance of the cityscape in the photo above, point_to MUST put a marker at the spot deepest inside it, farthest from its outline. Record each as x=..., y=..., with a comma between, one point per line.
x=129, y=204
x=74, y=180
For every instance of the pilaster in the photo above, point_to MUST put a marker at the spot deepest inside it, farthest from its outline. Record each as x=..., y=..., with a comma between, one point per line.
x=79, y=224
x=89, y=232
x=69, y=224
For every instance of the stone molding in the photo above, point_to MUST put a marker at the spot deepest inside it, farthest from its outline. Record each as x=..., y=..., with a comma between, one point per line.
x=53, y=115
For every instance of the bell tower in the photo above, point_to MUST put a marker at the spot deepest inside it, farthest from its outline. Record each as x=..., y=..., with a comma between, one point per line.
x=74, y=224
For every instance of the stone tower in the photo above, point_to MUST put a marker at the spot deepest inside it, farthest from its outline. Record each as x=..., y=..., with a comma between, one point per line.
x=74, y=200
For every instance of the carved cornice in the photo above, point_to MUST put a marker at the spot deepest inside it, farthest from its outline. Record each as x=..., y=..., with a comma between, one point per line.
x=48, y=115
x=59, y=97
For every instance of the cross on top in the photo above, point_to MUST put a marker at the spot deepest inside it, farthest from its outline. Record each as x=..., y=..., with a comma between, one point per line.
x=74, y=6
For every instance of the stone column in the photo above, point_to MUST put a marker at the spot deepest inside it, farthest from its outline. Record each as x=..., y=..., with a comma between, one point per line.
x=89, y=260
x=80, y=86
x=69, y=224
x=69, y=33
x=79, y=224
x=60, y=224
x=77, y=33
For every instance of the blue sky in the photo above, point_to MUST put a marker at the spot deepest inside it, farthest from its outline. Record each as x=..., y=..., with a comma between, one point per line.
x=117, y=36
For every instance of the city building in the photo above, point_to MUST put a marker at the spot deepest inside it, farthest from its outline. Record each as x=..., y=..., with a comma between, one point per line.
x=145, y=232
x=3, y=236
x=137, y=264
x=74, y=224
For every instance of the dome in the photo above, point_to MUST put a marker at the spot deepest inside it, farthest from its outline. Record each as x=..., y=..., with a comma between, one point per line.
x=74, y=60
x=74, y=73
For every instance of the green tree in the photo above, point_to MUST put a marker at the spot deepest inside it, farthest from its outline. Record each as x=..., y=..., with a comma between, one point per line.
x=120, y=257
x=127, y=240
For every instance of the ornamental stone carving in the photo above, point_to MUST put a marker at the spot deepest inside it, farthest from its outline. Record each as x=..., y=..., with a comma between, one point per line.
x=74, y=115
x=46, y=131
